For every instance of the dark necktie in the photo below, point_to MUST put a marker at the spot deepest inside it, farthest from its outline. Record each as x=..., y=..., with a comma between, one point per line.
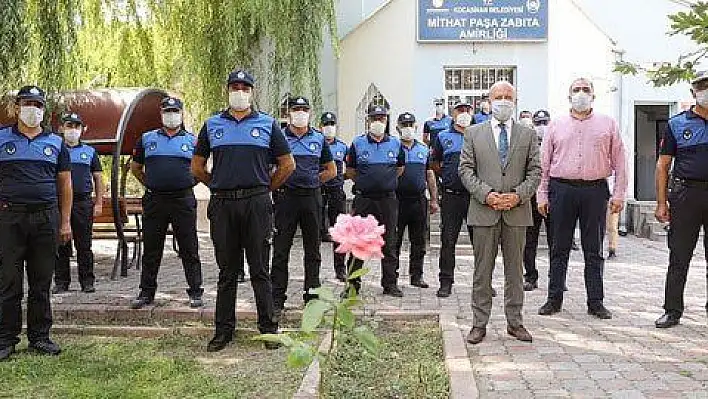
x=503, y=144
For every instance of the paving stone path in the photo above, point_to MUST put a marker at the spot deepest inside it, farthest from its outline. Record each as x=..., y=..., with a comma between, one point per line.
x=573, y=354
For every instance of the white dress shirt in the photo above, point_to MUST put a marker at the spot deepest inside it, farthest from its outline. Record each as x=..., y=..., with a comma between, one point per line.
x=496, y=130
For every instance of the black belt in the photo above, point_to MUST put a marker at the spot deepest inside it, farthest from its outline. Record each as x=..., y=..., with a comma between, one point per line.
x=239, y=193
x=692, y=183
x=300, y=191
x=26, y=208
x=455, y=192
x=82, y=197
x=580, y=183
x=330, y=189
x=171, y=194
x=376, y=194
x=410, y=196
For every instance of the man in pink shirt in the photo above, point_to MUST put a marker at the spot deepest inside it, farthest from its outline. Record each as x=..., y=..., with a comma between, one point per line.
x=580, y=151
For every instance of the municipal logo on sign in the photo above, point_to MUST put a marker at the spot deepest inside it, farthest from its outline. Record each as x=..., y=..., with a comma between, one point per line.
x=48, y=151
x=255, y=133
x=687, y=134
x=10, y=149
x=533, y=6
x=438, y=3
x=83, y=156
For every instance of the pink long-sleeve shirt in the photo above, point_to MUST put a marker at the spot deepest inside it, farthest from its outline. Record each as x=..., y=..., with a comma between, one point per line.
x=588, y=149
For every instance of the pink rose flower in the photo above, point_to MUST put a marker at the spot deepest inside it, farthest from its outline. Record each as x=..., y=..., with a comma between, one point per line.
x=362, y=237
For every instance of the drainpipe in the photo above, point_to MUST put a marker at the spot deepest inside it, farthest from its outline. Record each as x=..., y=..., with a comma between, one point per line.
x=619, y=88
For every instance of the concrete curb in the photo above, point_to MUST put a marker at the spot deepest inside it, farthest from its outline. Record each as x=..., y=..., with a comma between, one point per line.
x=457, y=362
x=309, y=388
x=144, y=332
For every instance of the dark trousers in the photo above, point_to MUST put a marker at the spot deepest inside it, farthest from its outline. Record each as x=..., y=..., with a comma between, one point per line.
x=159, y=211
x=238, y=225
x=531, y=248
x=385, y=210
x=292, y=210
x=413, y=214
x=82, y=231
x=568, y=204
x=689, y=211
x=28, y=243
x=334, y=202
x=453, y=209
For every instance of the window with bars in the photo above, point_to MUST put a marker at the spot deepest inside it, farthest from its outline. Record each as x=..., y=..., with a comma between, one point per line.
x=476, y=78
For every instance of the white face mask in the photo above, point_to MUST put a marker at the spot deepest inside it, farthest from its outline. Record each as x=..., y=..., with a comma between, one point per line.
x=377, y=128
x=463, y=119
x=31, y=116
x=330, y=131
x=581, y=102
x=407, y=133
x=300, y=118
x=439, y=109
x=702, y=98
x=526, y=122
x=172, y=120
x=72, y=136
x=239, y=100
x=502, y=110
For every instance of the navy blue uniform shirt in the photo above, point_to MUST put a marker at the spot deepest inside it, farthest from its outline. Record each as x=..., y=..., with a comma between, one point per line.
x=84, y=162
x=29, y=167
x=686, y=139
x=338, y=148
x=243, y=150
x=446, y=150
x=167, y=160
x=310, y=152
x=375, y=163
x=433, y=127
x=413, y=180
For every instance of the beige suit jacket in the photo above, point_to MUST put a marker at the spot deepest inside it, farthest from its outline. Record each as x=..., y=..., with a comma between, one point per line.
x=481, y=172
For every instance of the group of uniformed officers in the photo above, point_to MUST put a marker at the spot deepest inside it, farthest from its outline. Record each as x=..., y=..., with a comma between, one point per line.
x=266, y=182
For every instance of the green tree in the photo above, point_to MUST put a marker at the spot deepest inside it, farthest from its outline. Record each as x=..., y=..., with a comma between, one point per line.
x=692, y=23
x=188, y=46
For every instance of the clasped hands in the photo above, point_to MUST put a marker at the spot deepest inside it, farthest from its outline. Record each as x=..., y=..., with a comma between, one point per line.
x=503, y=202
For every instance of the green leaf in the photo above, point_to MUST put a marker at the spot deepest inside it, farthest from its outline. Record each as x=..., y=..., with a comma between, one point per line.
x=358, y=273
x=283, y=339
x=345, y=316
x=352, y=302
x=367, y=339
x=313, y=313
x=300, y=356
x=324, y=293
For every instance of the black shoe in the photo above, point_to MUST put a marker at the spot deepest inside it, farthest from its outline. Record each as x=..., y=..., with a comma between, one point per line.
x=141, y=301
x=444, y=291
x=308, y=297
x=669, y=319
x=327, y=238
x=419, y=282
x=530, y=285
x=6, y=352
x=59, y=289
x=341, y=276
x=219, y=342
x=549, y=308
x=565, y=288
x=600, y=312
x=88, y=289
x=611, y=254
x=494, y=292
x=44, y=347
x=195, y=301
x=393, y=290
x=240, y=277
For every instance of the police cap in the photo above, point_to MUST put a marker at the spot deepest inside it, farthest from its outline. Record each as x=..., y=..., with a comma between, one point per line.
x=406, y=117
x=71, y=117
x=31, y=93
x=241, y=76
x=700, y=76
x=328, y=117
x=171, y=103
x=377, y=110
x=462, y=103
x=541, y=116
x=299, y=102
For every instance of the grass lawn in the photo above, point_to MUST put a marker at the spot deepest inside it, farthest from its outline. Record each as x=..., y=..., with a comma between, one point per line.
x=170, y=367
x=410, y=365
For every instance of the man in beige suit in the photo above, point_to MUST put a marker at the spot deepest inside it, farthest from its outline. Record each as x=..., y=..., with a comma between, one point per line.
x=500, y=167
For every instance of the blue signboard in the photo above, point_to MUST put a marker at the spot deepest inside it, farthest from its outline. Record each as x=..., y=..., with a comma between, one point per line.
x=482, y=20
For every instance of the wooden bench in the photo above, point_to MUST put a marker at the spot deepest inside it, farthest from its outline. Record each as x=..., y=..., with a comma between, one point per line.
x=104, y=229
